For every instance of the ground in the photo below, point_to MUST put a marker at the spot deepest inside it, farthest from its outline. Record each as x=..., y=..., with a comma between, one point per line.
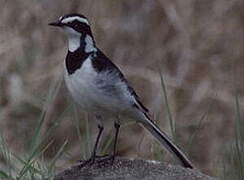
x=130, y=170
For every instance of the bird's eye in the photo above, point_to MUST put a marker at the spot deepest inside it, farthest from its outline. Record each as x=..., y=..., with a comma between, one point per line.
x=75, y=25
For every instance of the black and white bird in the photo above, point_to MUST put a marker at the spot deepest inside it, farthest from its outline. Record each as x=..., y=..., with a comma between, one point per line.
x=99, y=87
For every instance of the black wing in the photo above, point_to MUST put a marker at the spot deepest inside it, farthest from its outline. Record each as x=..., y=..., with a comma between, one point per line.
x=101, y=63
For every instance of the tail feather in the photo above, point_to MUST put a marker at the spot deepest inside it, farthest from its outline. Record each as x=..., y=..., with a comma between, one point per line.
x=165, y=140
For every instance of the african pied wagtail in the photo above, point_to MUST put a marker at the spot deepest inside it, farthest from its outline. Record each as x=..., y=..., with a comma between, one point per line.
x=100, y=88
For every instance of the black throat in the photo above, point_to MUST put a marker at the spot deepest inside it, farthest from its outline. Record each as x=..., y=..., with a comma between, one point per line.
x=74, y=60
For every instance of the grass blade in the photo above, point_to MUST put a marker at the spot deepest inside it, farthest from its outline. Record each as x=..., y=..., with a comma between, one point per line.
x=53, y=91
x=238, y=138
x=88, y=138
x=4, y=176
x=107, y=143
x=171, y=120
x=31, y=160
x=6, y=154
x=78, y=130
x=58, y=154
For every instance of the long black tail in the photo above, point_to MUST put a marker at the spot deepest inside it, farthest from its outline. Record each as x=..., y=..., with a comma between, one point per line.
x=165, y=140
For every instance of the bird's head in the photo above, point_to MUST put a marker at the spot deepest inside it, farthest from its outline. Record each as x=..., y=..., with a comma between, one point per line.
x=77, y=29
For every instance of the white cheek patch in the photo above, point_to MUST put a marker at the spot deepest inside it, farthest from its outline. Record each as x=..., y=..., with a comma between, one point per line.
x=70, y=19
x=73, y=38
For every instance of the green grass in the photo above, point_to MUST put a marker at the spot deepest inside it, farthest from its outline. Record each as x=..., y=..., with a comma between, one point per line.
x=233, y=165
x=167, y=106
x=32, y=165
x=239, y=146
x=28, y=166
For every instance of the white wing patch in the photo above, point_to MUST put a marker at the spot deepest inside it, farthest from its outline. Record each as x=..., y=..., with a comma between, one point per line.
x=89, y=44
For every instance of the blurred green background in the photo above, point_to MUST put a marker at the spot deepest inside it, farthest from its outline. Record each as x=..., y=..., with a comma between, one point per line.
x=198, y=47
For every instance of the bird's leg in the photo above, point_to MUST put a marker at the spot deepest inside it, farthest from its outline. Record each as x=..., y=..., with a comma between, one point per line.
x=117, y=126
x=91, y=160
x=100, y=127
x=112, y=156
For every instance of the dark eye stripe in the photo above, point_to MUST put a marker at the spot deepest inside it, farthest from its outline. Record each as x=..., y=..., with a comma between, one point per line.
x=80, y=27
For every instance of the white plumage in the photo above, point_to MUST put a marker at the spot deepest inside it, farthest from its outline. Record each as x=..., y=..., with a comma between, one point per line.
x=98, y=93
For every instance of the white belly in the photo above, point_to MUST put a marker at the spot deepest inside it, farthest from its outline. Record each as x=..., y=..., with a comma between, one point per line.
x=85, y=91
x=80, y=85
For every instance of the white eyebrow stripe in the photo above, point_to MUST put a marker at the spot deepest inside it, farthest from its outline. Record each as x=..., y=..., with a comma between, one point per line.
x=61, y=17
x=70, y=19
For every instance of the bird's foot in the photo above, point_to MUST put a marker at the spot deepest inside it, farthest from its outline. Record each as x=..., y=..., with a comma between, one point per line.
x=107, y=159
x=98, y=159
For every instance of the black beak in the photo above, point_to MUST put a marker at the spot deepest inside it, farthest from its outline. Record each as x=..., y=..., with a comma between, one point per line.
x=58, y=24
